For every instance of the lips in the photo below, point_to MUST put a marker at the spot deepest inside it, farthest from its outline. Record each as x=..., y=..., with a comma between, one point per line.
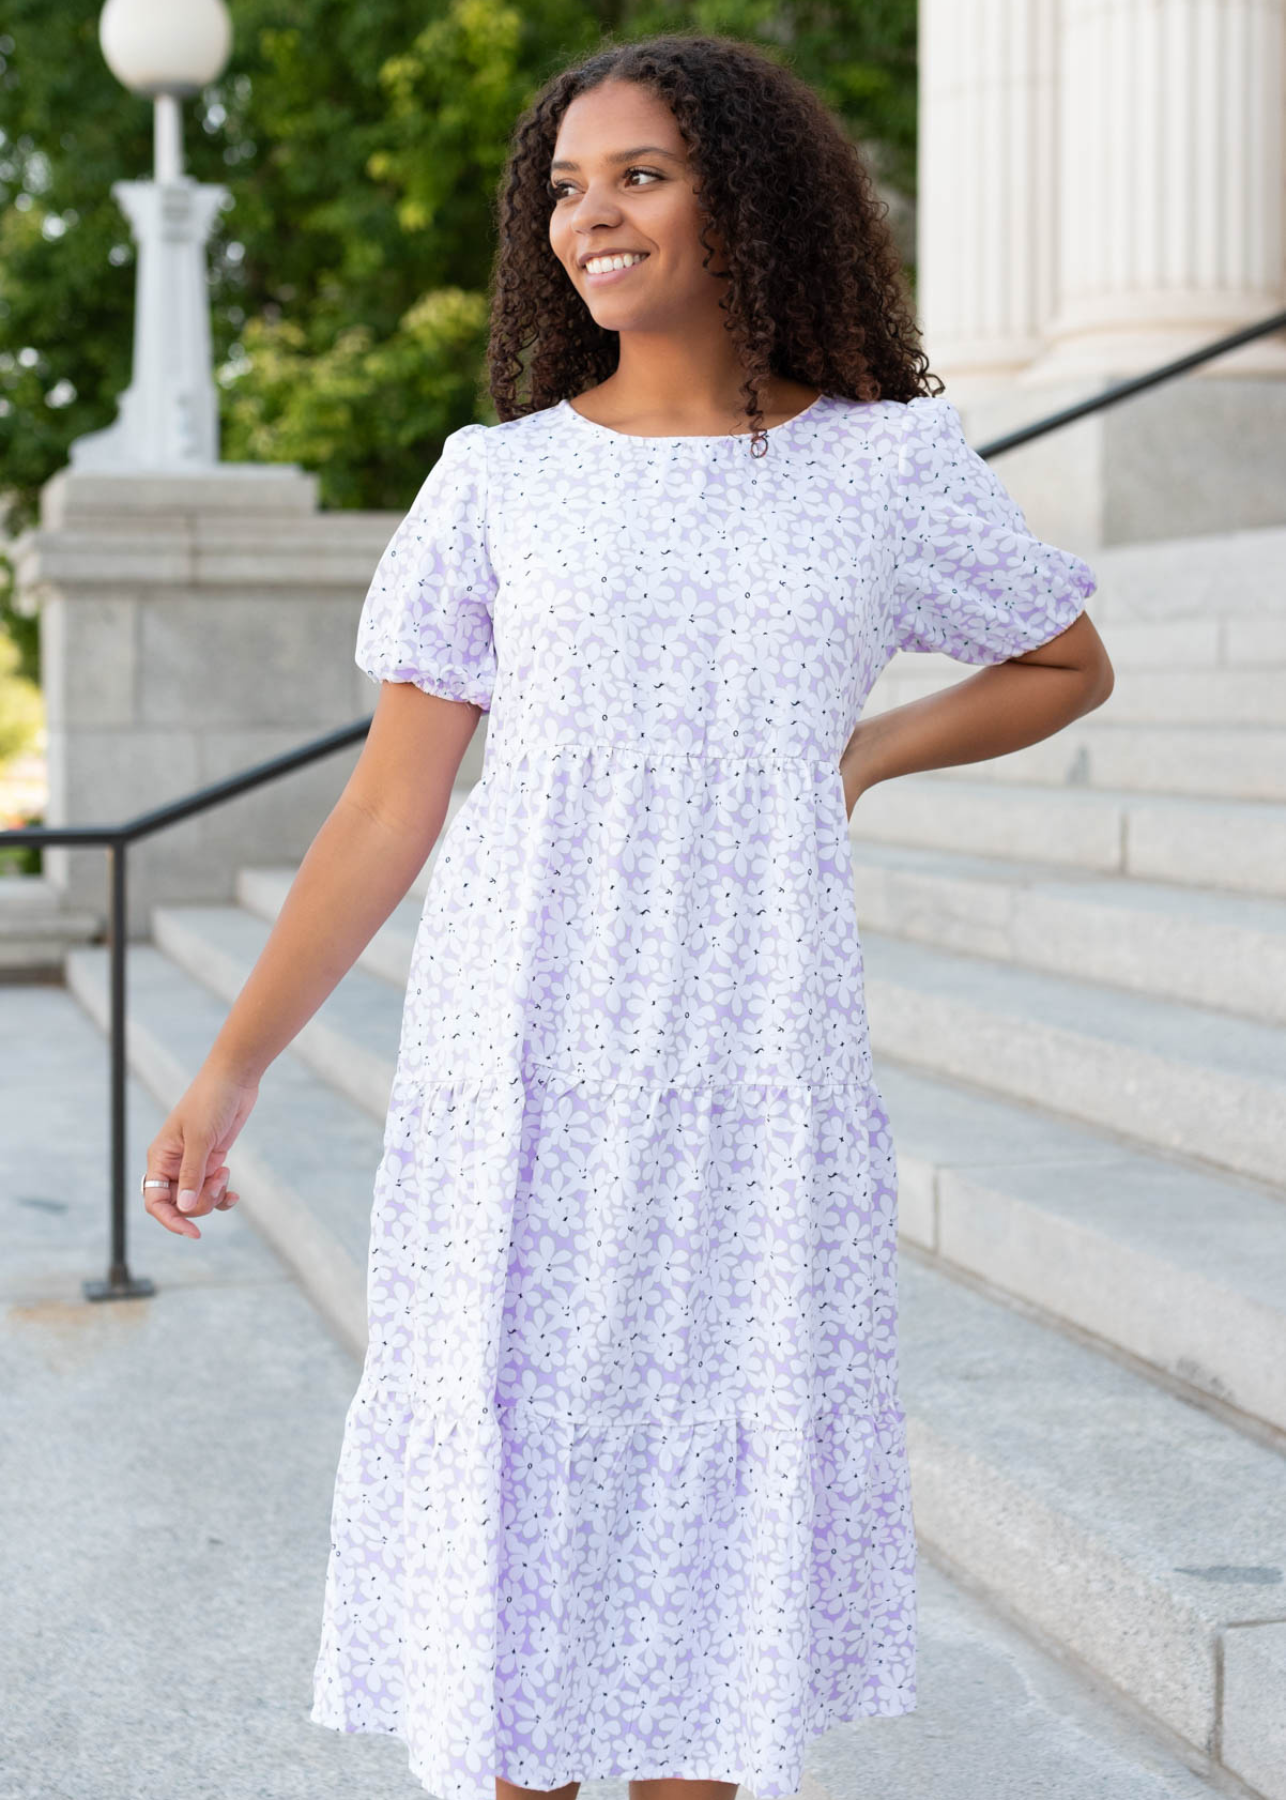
x=606, y=278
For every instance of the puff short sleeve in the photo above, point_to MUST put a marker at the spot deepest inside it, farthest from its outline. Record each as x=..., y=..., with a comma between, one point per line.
x=969, y=578
x=427, y=615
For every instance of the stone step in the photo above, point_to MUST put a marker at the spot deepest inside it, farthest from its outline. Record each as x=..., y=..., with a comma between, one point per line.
x=1224, y=1348
x=1244, y=640
x=1241, y=762
x=305, y=1163
x=1139, y=1534
x=1181, y=698
x=262, y=889
x=998, y=1711
x=1179, y=1272
x=37, y=929
x=1238, y=846
x=1234, y=575
x=1203, y=643
x=1000, y=1717
x=351, y=1040
x=1166, y=1075
x=1043, y=1473
x=1217, y=950
x=1169, y=1076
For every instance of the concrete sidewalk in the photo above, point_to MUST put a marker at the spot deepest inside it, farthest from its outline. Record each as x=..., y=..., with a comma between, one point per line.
x=166, y=1484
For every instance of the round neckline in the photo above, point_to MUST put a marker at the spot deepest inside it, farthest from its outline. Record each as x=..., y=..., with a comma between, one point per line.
x=690, y=437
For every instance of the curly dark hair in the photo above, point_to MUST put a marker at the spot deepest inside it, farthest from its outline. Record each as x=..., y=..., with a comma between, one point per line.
x=817, y=292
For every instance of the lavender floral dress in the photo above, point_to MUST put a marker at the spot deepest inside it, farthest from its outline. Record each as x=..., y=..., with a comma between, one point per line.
x=623, y=1490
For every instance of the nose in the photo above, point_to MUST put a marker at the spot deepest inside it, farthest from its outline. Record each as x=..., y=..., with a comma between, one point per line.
x=595, y=207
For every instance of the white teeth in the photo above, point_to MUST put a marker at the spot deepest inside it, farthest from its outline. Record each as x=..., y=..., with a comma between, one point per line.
x=598, y=265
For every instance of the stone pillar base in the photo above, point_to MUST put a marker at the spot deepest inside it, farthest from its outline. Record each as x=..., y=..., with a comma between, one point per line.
x=1184, y=459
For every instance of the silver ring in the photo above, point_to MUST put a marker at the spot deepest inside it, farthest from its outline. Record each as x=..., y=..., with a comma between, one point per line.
x=147, y=1183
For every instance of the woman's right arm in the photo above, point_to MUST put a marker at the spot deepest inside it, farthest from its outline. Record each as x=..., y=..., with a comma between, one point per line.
x=360, y=865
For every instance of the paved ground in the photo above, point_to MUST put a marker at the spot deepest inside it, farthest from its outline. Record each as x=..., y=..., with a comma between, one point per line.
x=166, y=1482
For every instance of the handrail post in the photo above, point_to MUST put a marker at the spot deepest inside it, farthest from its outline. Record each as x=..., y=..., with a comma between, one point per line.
x=119, y=1284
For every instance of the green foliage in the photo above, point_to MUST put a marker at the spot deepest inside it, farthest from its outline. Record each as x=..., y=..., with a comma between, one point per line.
x=393, y=396
x=361, y=142
x=21, y=707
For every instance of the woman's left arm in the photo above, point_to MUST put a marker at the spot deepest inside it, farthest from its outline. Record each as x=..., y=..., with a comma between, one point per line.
x=1003, y=707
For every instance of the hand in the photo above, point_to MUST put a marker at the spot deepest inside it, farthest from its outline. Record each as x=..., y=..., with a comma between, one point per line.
x=190, y=1147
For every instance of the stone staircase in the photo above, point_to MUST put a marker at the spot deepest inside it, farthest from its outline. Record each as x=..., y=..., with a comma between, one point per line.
x=1076, y=975
x=37, y=929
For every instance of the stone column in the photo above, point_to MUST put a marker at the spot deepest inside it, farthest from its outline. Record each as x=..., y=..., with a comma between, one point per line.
x=1171, y=185
x=1102, y=191
x=987, y=255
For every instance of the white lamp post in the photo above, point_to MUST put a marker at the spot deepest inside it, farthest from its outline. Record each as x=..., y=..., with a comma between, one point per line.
x=168, y=417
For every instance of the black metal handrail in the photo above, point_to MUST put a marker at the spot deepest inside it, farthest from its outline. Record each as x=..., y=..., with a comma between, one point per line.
x=118, y=1283
x=116, y=839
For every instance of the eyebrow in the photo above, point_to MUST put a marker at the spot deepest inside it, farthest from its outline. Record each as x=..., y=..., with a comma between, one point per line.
x=620, y=156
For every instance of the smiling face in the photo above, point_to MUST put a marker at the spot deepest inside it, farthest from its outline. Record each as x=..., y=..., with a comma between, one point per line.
x=621, y=182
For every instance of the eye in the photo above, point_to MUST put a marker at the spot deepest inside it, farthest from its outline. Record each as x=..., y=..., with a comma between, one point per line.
x=554, y=189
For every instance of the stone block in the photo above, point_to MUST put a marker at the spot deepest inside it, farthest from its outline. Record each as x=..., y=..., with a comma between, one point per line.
x=1184, y=459
x=1255, y=643
x=1235, y=845
x=246, y=660
x=1120, y=1523
x=231, y=490
x=277, y=820
x=89, y=662
x=1070, y=828
x=1166, y=1075
x=1254, y=1716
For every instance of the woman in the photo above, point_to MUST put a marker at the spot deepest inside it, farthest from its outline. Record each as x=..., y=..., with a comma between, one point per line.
x=623, y=1489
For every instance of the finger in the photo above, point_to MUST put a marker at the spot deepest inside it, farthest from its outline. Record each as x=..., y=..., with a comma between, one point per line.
x=224, y=1194
x=166, y=1213
x=154, y=1196
x=216, y=1184
x=161, y=1203
x=212, y=1191
x=192, y=1176
x=162, y=1207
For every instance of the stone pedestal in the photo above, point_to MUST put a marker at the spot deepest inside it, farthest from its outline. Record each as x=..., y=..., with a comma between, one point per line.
x=193, y=625
x=168, y=416
x=1183, y=459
